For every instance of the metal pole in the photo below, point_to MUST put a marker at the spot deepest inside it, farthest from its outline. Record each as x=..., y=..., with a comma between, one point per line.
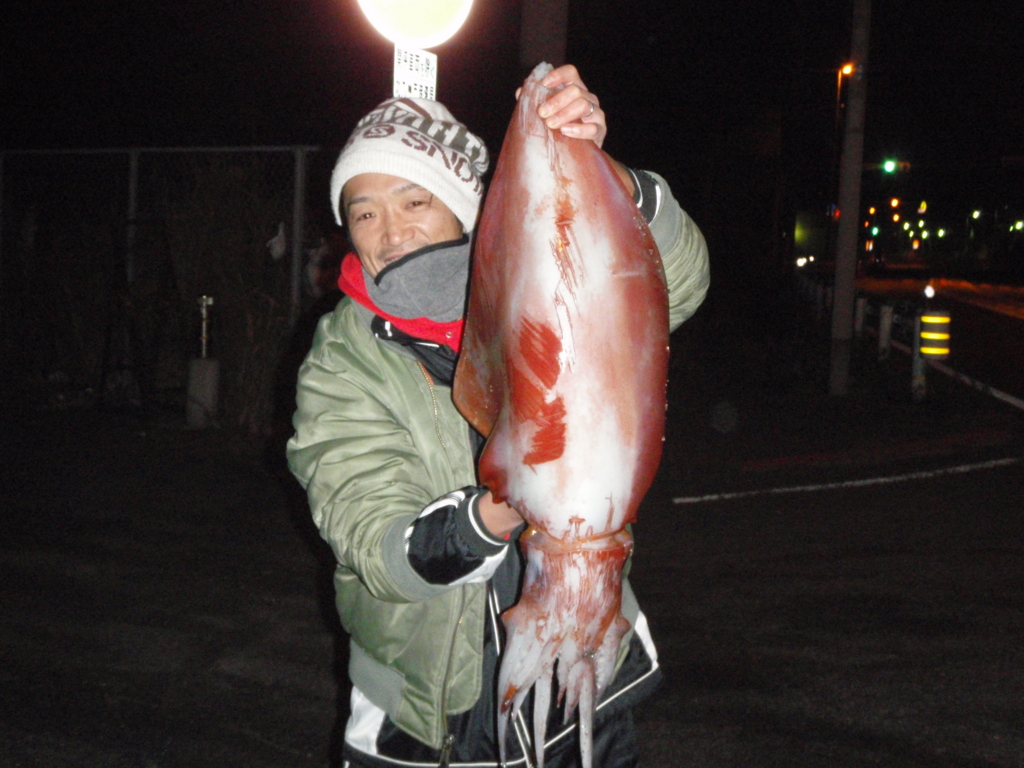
x=849, y=203
x=205, y=302
x=858, y=316
x=133, y=212
x=2, y=155
x=918, y=378
x=542, y=35
x=298, y=225
x=884, y=331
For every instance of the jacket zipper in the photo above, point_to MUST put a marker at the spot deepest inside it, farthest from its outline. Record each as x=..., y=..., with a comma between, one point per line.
x=433, y=401
x=448, y=740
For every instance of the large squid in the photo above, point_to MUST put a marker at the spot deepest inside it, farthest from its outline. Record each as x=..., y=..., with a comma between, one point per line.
x=564, y=368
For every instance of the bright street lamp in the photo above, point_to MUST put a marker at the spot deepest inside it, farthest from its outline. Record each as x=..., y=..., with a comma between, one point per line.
x=413, y=25
x=421, y=24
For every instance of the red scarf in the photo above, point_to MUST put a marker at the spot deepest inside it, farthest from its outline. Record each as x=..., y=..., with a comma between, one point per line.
x=352, y=282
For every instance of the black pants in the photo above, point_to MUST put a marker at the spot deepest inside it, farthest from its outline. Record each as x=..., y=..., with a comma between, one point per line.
x=615, y=746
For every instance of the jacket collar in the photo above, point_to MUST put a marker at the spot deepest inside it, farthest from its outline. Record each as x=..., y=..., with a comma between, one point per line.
x=352, y=283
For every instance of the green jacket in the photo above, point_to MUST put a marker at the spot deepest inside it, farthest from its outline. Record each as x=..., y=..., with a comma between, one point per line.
x=375, y=442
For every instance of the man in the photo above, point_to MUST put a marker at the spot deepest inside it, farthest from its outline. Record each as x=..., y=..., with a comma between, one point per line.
x=424, y=561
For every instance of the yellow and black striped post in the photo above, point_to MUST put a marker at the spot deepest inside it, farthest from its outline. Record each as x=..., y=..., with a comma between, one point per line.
x=931, y=342
x=934, y=334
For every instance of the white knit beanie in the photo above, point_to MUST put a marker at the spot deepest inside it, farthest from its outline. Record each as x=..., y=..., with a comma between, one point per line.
x=418, y=140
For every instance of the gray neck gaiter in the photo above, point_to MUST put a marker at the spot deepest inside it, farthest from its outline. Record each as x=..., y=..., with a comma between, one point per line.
x=431, y=282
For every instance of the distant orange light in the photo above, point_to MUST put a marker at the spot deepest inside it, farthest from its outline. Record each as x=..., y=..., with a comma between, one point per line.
x=895, y=217
x=867, y=223
x=847, y=69
x=871, y=210
x=895, y=202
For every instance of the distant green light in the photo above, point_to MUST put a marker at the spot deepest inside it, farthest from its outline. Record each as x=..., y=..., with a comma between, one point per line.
x=924, y=235
x=976, y=214
x=874, y=230
x=942, y=233
x=1019, y=225
x=906, y=225
x=889, y=166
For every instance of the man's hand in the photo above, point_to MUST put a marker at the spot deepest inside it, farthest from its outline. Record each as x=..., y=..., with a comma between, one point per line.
x=500, y=518
x=571, y=108
x=576, y=112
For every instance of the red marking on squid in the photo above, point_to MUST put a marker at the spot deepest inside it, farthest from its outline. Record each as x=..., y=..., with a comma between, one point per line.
x=563, y=366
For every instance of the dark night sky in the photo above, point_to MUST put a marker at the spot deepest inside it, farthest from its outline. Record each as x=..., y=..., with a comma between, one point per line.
x=678, y=79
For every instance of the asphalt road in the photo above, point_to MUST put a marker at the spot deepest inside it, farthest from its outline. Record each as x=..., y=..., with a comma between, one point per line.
x=166, y=601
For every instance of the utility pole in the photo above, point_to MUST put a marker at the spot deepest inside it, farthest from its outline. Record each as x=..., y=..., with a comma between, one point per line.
x=543, y=33
x=850, y=170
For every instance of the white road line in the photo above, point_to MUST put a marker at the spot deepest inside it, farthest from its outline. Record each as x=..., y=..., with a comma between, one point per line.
x=960, y=469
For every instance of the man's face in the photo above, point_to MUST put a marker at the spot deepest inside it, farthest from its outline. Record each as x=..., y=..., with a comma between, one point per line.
x=389, y=217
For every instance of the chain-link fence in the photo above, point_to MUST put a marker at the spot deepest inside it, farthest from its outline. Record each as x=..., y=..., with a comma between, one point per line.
x=105, y=254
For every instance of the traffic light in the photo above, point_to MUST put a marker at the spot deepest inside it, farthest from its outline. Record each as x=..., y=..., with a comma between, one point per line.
x=891, y=166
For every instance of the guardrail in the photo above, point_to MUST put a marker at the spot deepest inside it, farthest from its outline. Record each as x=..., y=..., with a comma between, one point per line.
x=898, y=326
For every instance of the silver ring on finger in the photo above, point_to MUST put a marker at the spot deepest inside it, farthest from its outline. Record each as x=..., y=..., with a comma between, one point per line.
x=593, y=106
